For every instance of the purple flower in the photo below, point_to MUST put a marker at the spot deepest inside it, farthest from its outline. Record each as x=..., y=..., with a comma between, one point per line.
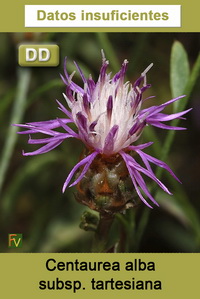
x=109, y=118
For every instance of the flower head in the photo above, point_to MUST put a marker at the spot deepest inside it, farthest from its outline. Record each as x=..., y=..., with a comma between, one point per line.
x=109, y=118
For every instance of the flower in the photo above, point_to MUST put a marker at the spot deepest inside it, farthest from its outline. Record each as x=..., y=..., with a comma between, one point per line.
x=109, y=118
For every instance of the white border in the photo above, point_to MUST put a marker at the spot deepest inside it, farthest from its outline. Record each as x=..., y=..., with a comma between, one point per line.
x=174, y=13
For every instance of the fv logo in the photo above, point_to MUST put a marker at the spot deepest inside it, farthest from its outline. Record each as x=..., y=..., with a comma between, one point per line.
x=14, y=240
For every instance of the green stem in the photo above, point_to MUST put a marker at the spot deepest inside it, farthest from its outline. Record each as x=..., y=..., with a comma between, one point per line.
x=102, y=232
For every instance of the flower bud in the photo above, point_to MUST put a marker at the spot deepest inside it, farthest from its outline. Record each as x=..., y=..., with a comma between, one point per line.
x=107, y=186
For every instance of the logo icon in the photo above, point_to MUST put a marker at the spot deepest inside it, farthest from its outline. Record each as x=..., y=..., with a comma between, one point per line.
x=38, y=55
x=14, y=240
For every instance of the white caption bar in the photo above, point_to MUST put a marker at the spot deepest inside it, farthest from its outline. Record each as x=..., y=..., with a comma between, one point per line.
x=102, y=15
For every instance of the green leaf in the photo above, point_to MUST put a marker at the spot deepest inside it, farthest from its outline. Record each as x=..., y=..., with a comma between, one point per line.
x=24, y=78
x=6, y=101
x=30, y=169
x=189, y=211
x=181, y=106
x=181, y=208
x=179, y=70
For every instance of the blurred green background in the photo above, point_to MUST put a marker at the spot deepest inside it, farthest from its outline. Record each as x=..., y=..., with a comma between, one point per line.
x=31, y=201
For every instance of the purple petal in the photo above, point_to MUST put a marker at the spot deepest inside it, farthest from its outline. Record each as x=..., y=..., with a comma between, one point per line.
x=62, y=136
x=166, y=117
x=120, y=75
x=69, y=94
x=150, y=174
x=163, y=126
x=131, y=172
x=33, y=130
x=50, y=124
x=138, y=190
x=67, y=81
x=143, y=186
x=158, y=163
x=156, y=109
x=137, y=147
x=72, y=85
x=109, y=107
x=145, y=160
x=109, y=140
x=68, y=129
x=103, y=70
x=91, y=86
x=169, y=102
x=159, y=116
x=80, y=72
x=87, y=162
x=82, y=126
x=86, y=103
x=116, y=77
x=138, y=82
x=92, y=126
x=143, y=88
x=123, y=70
x=137, y=127
x=85, y=169
x=134, y=165
x=64, y=110
x=44, y=149
x=150, y=97
x=82, y=121
x=138, y=98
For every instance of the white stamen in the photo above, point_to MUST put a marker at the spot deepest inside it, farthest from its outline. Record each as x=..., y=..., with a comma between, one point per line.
x=67, y=100
x=138, y=89
x=71, y=76
x=104, y=58
x=103, y=55
x=146, y=70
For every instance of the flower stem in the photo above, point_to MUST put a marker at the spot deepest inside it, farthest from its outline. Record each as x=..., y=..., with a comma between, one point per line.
x=100, y=241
